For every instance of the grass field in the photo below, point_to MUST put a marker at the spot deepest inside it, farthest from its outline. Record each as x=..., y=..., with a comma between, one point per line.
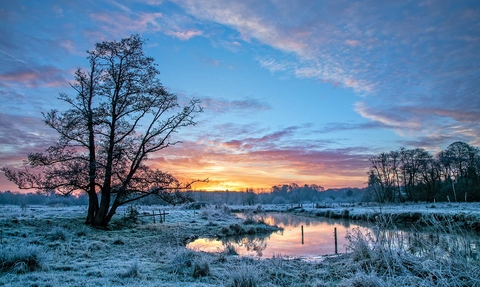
x=50, y=246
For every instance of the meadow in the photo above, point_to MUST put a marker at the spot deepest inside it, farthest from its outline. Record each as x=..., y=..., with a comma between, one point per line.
x=51, y=246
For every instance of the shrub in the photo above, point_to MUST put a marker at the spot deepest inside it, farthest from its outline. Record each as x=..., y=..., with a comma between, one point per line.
x=82, y=230
x=237, y=229
x=201, y=268
x=58, y=233
x=250, y=219
x=133, y=213
x=21, y=259
x=180, y=261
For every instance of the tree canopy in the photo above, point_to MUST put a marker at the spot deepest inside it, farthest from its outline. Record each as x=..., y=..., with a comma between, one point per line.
x=120, y=114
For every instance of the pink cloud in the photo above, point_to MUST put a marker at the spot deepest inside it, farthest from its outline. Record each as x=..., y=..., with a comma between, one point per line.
x=41, y=76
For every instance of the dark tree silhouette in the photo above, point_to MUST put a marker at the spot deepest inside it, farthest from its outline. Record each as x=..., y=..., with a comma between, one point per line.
x=121, y=114
x=453, y=174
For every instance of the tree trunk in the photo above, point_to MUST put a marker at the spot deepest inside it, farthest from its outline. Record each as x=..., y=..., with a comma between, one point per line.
x=103, y=210
x=110, y=214
x=92, y=208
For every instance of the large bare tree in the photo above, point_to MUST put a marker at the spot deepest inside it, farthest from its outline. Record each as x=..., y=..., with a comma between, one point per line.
x=120, y=115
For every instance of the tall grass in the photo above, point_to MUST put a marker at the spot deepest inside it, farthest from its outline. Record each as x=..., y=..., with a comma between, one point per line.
x=21, y=259
x=438, y=256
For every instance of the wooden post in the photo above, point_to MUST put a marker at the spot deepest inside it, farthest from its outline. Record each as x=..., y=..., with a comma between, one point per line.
x=153, y=214
x=164, y=216
x=335, y=235
x=161, y=219
x=302, y=236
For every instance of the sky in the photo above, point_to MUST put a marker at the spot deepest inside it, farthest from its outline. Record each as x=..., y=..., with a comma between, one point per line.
x=293, y=91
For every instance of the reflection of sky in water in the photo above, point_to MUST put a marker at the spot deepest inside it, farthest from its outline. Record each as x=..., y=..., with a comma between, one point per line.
x=318, y=238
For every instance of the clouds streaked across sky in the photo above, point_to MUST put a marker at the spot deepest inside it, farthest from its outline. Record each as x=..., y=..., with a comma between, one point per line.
x=294, y=91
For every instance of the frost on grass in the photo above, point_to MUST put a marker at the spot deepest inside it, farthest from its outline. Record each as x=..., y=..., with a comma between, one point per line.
x=90, y=257
x=21, y=258
x=383, y=257
x=244, y=275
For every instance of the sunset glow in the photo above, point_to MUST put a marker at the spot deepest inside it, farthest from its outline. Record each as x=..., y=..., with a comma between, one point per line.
x=293, y=91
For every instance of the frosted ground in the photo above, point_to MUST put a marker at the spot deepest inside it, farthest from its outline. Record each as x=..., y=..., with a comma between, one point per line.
x=50, y=246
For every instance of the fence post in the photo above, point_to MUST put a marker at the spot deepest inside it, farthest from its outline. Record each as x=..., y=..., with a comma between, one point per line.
x=153, y=214
x=302, y=236
x=335, y=235
x=161, y=219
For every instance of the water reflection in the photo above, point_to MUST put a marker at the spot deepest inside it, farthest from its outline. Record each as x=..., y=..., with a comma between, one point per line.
x=318, y=238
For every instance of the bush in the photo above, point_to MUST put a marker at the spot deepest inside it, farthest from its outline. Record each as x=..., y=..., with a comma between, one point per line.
x=201, y=268
x=133, y=211
x=180, y=261
x=21, y=259
x=58, y=233
x=83, y=230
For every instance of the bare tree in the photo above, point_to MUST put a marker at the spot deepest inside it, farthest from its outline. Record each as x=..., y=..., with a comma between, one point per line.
x=120, y=115
x=383, y=177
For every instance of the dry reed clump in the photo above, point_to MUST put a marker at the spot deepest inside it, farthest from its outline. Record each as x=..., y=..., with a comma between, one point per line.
x=133, y=271
x=201, y=267
x=82, y=230
x=244, y=275
x=439, y=257
x=58, y=233
x=187, y=262
x=21, y=259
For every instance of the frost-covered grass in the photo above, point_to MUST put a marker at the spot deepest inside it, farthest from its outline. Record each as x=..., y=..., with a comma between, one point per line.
x=50, y=246
x=386, y=258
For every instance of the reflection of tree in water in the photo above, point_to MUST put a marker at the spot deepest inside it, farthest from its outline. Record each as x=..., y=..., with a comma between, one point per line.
x=459, y=242
x=256, y=243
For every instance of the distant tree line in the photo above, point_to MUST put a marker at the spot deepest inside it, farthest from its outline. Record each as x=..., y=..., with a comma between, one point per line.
x=278, y=194
x=25, y=199
x=417, y=175
x=283, y=194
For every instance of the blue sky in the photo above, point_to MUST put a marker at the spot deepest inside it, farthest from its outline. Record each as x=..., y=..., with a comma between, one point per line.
x=294, y=91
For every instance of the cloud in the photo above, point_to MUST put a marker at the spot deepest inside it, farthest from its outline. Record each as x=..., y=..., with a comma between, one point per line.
x=220, y=105
x=264, y=161
x=21, y=135
x=273, y=65
x=34, y=77
x=119, y=24
x=398, y=56
x=133, y=20
x=184, y=35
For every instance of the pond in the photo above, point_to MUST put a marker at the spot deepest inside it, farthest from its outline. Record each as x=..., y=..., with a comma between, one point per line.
x=318, y=238
x=307, y=237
